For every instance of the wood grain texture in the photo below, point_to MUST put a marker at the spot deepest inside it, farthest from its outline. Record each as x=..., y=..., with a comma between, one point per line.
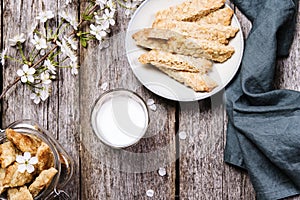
x=125, y=173
x=1, y=47
x=203, y=173
x=236, y=182
x=287, y=75
x=67, y=113
x=201, y=162
x=105, y=173
x=60, y=113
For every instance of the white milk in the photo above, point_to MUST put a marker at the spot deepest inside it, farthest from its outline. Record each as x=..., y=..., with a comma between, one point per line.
x=120, y=121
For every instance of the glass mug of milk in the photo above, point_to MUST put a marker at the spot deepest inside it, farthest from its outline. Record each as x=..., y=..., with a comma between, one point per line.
x=120, y=118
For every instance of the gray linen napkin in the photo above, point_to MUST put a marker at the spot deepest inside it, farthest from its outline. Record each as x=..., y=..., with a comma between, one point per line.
x=263, y=133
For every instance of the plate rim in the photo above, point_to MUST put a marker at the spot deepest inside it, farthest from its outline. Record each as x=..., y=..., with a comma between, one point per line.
x=195, y=97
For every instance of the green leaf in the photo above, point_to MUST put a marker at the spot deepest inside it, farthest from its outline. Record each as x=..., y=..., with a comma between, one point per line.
x=83, y=42
x=87, y=17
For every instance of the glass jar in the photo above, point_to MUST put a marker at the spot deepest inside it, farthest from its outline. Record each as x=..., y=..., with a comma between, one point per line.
x=62, y=161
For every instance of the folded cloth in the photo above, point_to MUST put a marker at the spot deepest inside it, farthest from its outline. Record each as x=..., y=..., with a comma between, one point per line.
x=263, y=134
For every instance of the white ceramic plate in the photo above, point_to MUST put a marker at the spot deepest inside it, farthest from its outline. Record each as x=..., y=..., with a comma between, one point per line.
x=160, y=83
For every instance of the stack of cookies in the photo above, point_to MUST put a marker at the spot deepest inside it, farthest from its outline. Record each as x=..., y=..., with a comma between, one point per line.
x=185, y=40
x=16, y=184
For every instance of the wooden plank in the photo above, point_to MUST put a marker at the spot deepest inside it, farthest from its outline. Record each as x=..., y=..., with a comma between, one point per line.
x=125, y=173
x=201, y=161
x=17, y=104
x=203, y=173
x=287, y=75
x=1, y=49
x=67, y=114
x=59, y=114
x=236, y=182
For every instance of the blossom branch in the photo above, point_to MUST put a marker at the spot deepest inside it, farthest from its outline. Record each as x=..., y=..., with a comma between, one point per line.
x=98, y=17
x=45, y=56
x=19, y=78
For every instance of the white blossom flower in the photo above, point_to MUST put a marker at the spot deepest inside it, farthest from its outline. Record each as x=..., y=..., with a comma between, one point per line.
x=26, y=74
x=26, y=162
x=45, y=15
x=130, y=7
x=50, y=67
x=35, y=97
x=72, y=42
x=18, y=38
x=74, y=68
x=2, y=56
x=45, y=78
x=42, y=93
x=73, y=21
x=108, y=18
x=69, y=18
x=111, y=5
x=101, y=3
x=40, y=43
x=68, y=1
x=66, y=50
x=63, y=14
x=31, y=29
x=45, y=92
x=72, y=56
x=98, y=31
x=99, y=19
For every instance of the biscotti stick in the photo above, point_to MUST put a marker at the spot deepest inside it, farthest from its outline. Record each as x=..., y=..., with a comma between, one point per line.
x=211, y=32
x=190, y=10
x=176, y=61
x=221, y=16
x=173, y=42
x=198, y=82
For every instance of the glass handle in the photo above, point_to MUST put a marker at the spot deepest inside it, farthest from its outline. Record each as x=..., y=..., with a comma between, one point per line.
x=58, y=195
x=67, y=167
x=63, y=195
x=2, y=135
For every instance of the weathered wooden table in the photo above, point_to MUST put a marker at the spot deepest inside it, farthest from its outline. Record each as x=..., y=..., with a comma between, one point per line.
x=195, y=167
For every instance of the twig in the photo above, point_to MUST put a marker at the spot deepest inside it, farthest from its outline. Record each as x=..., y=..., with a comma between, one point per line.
x=44, y=57
x=9, y=86
x=90, y=12
x=34, y=66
